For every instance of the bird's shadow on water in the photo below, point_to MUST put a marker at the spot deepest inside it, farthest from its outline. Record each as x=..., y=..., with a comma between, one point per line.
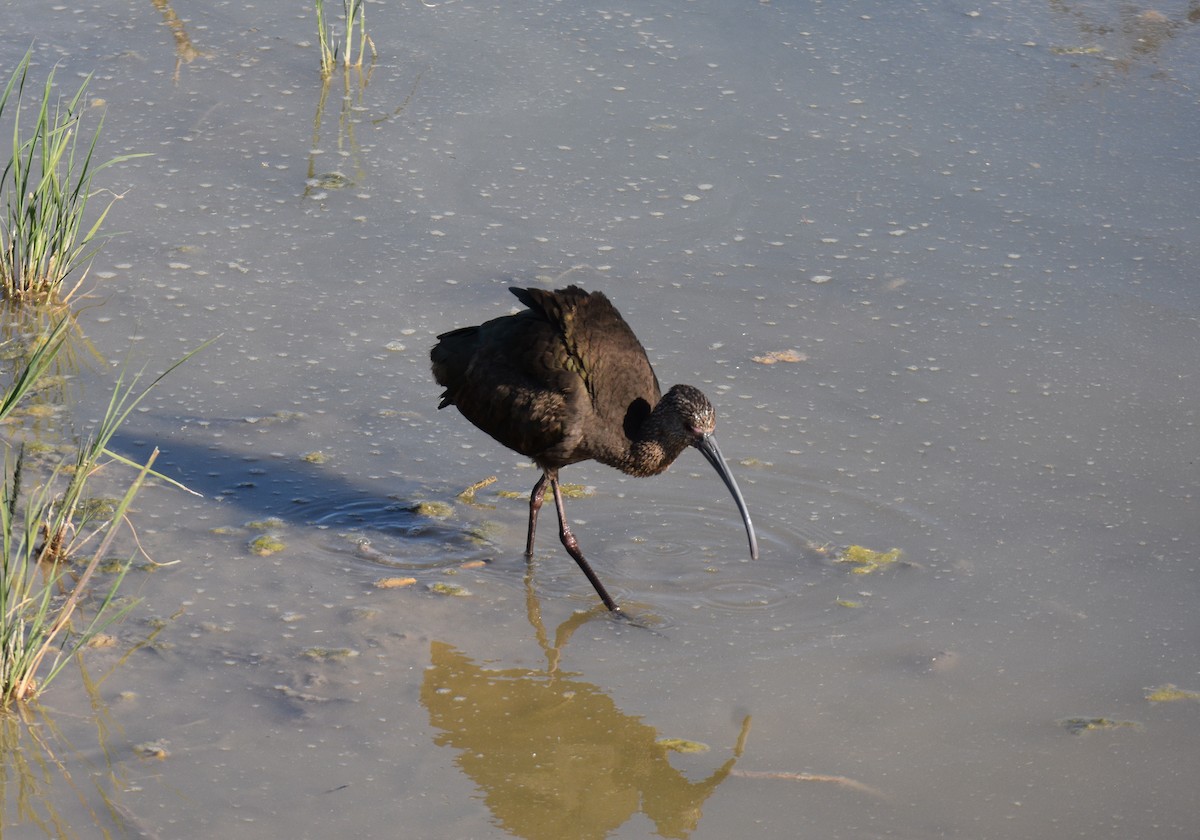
x=378, y=521
x=296, y=491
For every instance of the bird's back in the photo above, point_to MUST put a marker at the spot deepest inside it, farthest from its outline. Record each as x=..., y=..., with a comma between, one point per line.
x=563, y=381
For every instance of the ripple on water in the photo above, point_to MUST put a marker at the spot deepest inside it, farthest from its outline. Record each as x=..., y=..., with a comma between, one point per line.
x=391, y=533
x=737, y=595
x=699, y=555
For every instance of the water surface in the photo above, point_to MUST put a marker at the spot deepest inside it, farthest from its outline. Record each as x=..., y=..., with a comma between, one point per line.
x=976, y=227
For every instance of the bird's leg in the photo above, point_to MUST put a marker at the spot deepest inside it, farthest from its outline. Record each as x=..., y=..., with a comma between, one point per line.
x=572, y=546
x=535, y=504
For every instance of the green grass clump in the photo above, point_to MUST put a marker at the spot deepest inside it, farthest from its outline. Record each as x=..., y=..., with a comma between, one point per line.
x=331, y=49
x=44, y=192
x=54, y=538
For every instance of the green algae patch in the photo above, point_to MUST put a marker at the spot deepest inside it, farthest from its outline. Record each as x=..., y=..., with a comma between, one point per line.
x=682, y=745
x=266, y=545
x=267, y=524
x=321, y=654
x=277, y=417
x=449, y=589
x=485, y=533
x=38, y=411
x=152, y=749
x=1081, y=725
x=511, y=494
x=97, y=507
x=754, y=462
x=848, y=604
x=434, y=510
x=316, y=457
x=1169, y=693
x=865, y=560
x=102, y=640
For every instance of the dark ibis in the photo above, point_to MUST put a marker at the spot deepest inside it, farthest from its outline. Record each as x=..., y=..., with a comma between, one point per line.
x=565, y=380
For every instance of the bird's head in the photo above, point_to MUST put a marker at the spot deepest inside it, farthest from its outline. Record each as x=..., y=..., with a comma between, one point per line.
x=688, y=417
x=688, y=414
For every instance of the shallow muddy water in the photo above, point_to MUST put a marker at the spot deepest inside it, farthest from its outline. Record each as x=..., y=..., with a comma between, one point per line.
x=975, y=228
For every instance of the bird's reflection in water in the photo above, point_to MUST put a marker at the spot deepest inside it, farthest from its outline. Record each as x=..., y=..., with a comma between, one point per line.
x=553, y=755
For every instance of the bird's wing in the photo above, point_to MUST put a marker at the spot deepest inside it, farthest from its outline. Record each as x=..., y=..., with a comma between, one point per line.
x=599, y=346
x=509, y=377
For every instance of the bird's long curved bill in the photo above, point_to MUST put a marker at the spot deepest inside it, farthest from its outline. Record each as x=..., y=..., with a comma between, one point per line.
x=708, y=447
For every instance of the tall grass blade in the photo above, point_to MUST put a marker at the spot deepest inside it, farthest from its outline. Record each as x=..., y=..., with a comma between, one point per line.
x=39, y=362
x=354, y=12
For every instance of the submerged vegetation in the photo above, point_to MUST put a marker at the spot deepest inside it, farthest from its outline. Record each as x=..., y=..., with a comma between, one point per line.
x=1083, y=725
x=46, y=184
x=54, y=538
